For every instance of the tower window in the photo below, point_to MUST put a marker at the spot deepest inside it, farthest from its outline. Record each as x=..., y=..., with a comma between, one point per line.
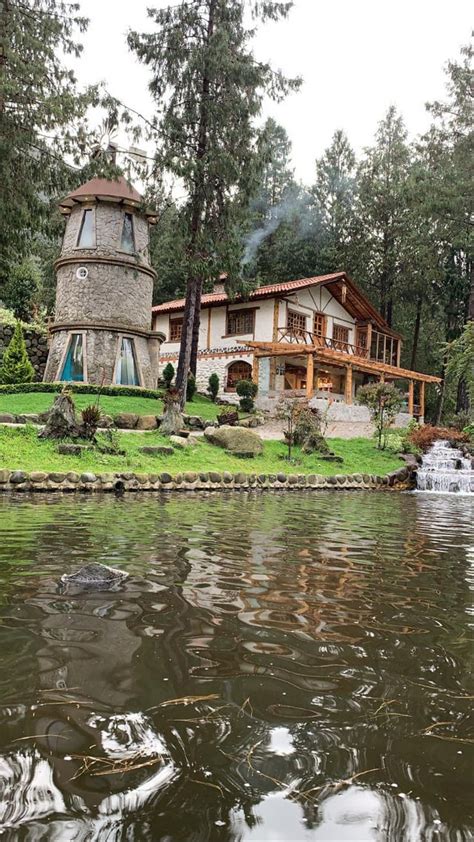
x=86, y=238
x=128, y=234
x=73, y=367
x=126, y=373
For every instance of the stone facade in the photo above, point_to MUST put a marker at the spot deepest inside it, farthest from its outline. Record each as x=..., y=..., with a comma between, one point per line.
x=36, y=342
x=210, y=362
x=103, y=292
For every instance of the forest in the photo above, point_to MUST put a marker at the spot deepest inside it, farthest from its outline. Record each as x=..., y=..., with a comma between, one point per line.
x=398, y=217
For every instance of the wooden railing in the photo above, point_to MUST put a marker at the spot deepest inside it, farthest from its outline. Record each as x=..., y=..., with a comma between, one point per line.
x=305, y=337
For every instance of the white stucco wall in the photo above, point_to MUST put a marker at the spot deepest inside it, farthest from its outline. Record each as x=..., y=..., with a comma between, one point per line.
x=305, y=301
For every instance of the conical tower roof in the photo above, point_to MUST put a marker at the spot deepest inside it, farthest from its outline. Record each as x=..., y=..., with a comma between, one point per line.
x=117, y=190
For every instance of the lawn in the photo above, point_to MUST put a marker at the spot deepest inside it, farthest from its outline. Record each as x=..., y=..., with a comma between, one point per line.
x=21, y=449
x=35, y=402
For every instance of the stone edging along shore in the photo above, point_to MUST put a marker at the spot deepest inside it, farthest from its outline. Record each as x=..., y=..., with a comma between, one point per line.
x=190, y=481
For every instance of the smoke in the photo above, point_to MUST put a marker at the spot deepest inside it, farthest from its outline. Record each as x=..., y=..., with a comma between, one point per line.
x=294, y=209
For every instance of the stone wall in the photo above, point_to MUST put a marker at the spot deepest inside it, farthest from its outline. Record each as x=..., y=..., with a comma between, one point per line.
x=191, y=481
x=36, y=344
x=209, y=363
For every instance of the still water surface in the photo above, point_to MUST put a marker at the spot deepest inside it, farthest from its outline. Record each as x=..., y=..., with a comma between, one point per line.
x=320, y=643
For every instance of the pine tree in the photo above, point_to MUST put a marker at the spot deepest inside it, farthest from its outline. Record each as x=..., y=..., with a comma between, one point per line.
x=16, y=366
x=334, y=195
x=208, y=88
x=381, y=212
x=40, y=112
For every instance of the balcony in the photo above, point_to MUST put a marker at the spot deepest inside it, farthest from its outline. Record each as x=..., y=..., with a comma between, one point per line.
x=305, y=337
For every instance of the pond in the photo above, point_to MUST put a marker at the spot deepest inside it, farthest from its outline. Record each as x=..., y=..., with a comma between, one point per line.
x=275, y=667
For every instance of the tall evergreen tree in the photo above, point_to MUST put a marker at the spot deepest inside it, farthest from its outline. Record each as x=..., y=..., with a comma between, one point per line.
x=208, y=88
x=40, y=113
x=382, y=212
x=334, y=196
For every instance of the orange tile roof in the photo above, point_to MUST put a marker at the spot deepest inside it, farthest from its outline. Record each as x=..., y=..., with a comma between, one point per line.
x=261, y=292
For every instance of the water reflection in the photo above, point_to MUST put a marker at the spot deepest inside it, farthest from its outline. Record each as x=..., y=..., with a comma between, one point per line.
x=299, y=677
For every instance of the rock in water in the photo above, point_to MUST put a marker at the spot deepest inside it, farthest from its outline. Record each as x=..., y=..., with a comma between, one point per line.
x=95, y=576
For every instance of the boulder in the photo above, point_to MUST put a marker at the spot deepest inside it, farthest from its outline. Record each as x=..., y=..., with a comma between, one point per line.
x=28, y=418
x=126, y=420
x=235, y=440
x=228, y=418
x=194, y=421
x=72, y=449
x=179, y=442
x=146, y=422
x=7, y=418
x=95, y=576
x=158, y=450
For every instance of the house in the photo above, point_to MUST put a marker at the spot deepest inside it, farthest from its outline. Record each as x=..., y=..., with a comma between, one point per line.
x=317, y=337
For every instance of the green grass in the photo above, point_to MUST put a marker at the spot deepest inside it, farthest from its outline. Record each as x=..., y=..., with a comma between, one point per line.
x=35, y=402
x=21, y=449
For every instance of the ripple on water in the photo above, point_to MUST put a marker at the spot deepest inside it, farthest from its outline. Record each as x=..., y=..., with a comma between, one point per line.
x=297, y=664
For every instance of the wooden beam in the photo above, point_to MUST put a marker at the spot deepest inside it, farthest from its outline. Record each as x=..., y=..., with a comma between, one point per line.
x=410, y=397
x=399, y=352
x=348, y=388
x=422, y=400
x=327, y=355
x=255, y=369
x=310, y=376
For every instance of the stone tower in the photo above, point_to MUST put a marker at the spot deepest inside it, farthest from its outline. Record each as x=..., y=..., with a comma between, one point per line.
x=102, y=328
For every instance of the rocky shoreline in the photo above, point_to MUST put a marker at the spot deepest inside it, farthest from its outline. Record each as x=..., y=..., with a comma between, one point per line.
x=41, y=481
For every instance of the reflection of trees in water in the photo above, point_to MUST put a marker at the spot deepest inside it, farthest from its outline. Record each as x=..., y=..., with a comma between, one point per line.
x=318, y=627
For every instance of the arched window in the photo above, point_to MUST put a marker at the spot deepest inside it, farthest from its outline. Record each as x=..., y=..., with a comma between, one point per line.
x=238, y=371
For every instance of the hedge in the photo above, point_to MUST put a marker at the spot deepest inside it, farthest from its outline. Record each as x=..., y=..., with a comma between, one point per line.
x=80, y=388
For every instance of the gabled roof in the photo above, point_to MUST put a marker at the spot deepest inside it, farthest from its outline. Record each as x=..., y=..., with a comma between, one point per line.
x=104, y=189
x=352, y=299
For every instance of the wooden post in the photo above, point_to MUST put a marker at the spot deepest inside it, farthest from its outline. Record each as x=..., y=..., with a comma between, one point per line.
x=369, y=340
x=382, y=378
x=310, y=376
x=399, y=351
x=255, y=369
x=422, y=399
x=348, y=389
x=410, y=397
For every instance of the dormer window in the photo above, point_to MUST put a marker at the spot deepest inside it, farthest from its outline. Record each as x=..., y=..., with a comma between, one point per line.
x=128, y=234
x=86, y=238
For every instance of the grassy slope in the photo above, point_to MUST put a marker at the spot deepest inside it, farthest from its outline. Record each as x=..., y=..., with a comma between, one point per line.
x=34, y=402
x=21, y=449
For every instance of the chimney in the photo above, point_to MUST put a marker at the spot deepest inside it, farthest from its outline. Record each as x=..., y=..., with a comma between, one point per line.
x=219, y=285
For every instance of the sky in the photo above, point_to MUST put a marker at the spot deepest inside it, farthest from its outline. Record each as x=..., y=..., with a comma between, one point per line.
x=356, y=57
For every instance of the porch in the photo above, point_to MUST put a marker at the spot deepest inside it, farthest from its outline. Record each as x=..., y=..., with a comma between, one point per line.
x=325, y=370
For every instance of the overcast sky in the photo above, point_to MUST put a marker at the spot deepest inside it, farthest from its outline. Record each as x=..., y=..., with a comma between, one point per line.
x=356, y=57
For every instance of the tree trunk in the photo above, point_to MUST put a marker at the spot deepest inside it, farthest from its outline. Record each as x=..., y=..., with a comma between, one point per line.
x=61, y=423
x=462, y=397
x=439, y=413
x=416, y=333
x=198, y=204
x=173, y=420
x=196, y=326
x=185, y=350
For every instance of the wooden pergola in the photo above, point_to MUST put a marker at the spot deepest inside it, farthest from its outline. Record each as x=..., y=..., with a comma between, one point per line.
x=349, y=362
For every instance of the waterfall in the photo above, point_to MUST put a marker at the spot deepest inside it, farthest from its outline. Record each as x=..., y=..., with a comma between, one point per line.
x=445, y=468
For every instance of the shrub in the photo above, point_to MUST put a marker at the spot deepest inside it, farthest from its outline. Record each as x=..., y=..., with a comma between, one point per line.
x=90, y=420
x=383, y=400
x=307, y=432
x=19, y=388
x=213, y=387
x=191, y=387
x=246, y=391
x=167, y=375
x=16, y=366
x=424, y=437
